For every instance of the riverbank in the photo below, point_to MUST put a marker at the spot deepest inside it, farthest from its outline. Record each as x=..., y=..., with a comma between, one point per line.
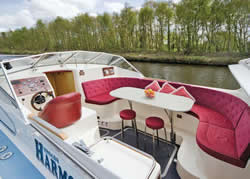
x=211, y=59
x=218, y=59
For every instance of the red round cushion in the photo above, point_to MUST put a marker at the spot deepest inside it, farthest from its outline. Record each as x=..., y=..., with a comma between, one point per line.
x=154, y=122
x=127, y=114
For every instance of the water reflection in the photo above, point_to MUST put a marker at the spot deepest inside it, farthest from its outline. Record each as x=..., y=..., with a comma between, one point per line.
x=213, y=76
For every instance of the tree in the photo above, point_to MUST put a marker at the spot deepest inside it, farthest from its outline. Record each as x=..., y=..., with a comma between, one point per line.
x=163, y=15
x=146, y=30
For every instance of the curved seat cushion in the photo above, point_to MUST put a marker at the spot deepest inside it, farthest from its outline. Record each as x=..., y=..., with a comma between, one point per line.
x=97, y=91
x=242, y=135
x=181, y=91
x=128, y=114
x=154, y=86
x=62, y=111
x=210, y=116
x=226, y=104
x=154, y=122
x=218, y=142
x=101, y=99
x=167, y=88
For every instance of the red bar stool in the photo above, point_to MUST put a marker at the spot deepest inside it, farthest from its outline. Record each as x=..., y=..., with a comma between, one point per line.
x=155, y=123
x=128, y=114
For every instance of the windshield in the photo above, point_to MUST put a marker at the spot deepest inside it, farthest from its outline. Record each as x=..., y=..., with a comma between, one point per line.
x=72, y=57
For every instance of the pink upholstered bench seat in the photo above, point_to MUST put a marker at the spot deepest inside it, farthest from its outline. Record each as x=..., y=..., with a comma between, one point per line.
x=101, y=99
x=229, y=145
x=224, y=119
x=97, y=91
x=218, y=142
x=210, y=116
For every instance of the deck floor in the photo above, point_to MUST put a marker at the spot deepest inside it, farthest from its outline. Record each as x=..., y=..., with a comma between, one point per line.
x=164, y=151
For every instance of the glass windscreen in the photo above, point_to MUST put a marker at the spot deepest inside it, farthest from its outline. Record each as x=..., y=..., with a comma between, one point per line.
x=71, y=57
x=123, y=64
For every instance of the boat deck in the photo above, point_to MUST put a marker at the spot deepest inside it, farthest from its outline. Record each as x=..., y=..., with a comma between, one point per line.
x=165, y=152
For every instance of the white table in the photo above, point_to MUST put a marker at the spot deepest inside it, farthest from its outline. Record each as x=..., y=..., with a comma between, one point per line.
x=166, y=101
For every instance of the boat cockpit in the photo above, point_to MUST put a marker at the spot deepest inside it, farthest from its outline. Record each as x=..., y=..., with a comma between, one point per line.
x=86, y=114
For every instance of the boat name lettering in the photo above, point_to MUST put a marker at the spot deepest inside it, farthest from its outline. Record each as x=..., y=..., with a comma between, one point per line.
x=50, y=161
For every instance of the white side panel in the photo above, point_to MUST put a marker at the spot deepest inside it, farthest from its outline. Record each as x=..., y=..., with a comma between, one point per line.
x=242, y=75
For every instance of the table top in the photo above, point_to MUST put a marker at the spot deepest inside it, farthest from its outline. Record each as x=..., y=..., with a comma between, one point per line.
x=161, y=100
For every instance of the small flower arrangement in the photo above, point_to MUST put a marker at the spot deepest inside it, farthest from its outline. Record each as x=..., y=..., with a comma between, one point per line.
x=149, y=93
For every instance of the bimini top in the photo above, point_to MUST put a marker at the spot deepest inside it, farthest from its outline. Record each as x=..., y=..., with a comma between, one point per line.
x=71, y=57
x=241, y=72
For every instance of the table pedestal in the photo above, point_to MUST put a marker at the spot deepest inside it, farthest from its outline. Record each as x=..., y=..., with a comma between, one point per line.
x=172, y=133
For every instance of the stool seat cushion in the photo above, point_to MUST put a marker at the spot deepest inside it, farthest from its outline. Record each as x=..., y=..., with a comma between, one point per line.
x=154, y=122
x=127, y=114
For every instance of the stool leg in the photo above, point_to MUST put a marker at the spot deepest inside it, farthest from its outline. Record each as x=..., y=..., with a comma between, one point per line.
x=165, y=132
x=166, y=140
x=157, y=137
x=122, y=129
x=135, y=127
x=144, y=138
x=153, y=142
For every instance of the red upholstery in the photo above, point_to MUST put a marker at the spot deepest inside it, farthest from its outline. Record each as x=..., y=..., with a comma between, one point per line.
x=242, y=135
x=220, y=113
x=154, y=86
x=62, y=111
x=127, y=114
x=97, y=91
x=101, y=99
x=218, y=142
x=167, y=88
x=210, y=116
x=228, y=105
x=154, y=122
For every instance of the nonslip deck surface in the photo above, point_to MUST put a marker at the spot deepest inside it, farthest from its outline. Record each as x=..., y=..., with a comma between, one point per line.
x=144, y=143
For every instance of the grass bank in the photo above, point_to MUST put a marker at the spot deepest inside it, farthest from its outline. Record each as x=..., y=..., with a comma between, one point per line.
x=206, y=59
x=18, y=52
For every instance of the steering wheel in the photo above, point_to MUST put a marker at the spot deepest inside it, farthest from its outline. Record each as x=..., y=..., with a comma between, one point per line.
x=40, y=98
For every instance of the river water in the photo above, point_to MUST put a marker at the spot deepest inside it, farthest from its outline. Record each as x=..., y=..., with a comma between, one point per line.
x=205, y=75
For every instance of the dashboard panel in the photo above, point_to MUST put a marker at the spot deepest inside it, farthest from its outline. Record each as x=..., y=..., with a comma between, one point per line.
x=29, y=86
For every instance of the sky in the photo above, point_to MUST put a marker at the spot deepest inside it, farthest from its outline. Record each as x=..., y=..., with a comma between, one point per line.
x=18, y=13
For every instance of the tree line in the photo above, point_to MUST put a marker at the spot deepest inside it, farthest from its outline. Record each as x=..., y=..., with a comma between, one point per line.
x=186, y=27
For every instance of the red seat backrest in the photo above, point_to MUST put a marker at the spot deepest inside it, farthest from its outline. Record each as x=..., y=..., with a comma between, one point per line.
x=95, y=87
x=228, y=105
x=242, y=136
x=103, y=86
x=62, y=111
